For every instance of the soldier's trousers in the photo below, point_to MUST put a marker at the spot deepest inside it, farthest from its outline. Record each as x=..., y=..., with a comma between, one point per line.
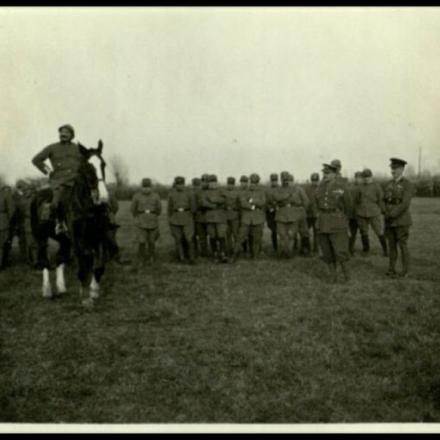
x=183, y=234
x=255, y=235
x=272, y=225
x=397, y=236
x=216, y=230
x=233, y=227
x=62, y=195
x=334, y=246
x=353, y=227
x=375, y=223
x=201, y=238
x=311, y=224
x=148, y=236
x=286, y=232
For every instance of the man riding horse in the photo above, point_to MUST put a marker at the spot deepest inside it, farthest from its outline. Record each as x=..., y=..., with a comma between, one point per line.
x=65, y=158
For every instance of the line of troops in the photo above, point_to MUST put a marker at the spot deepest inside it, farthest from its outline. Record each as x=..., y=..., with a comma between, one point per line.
x=206, y=219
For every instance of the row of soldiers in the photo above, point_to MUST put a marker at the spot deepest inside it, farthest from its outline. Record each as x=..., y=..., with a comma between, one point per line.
x=227, y=221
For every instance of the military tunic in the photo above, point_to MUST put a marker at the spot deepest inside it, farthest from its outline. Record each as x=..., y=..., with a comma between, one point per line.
x=312, y=212
x=146, y=208
x=397, y=199
x=334, y=203
x=201, y=230
x=232, y=206
x=368, y=204
x=181, y=209
x=214, y=203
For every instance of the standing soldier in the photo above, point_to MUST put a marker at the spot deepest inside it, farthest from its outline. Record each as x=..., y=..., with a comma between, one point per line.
x=369, y=207
x=244, y=186
x=333, y=201
x=201, y=233
x=291, y=204
x=214, y=202
x=6, y=212
x=271, y=210
x=112, y=243
x=146, y=208
x=196, y=184
x=312, y=211
x=252, y=206
x=397, y=197
x=181, y=210
x=65, y=159
x=336, y=163
x=353, y=225
x=232, y=214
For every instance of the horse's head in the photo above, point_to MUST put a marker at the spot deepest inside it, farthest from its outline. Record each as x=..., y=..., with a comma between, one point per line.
x=95, y=165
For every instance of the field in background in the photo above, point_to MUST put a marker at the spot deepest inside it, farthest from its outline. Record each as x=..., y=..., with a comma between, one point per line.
x=266, y=341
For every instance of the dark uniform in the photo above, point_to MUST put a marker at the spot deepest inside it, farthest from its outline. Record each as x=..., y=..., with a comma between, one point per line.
x=252, y=207
x=6, y=212
x=271, y=210
x=369, y=208
x=312, y=211
x=232, y=205
x=181, y=210
x=196, y=184
x=214, y=202
x=291, y=203
x=201, y=232
x=333, y=201
x=352, y=218
x=146, y=207
x=65, y=158
x=244, y=186
x=397, y=197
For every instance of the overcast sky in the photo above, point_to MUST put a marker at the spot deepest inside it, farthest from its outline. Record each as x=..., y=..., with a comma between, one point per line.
x=182, y=91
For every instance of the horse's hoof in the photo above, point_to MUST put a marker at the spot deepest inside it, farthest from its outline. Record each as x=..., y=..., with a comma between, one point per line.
x=87, y=303
x=94, y=294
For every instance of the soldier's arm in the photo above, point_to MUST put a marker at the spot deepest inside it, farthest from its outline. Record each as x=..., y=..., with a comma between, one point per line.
x=380, y=199
x=158, y=205
x=133, y=207
x=39, y=159
x=280, y=196
x=244, y=202
x=205, y=203
x=305, y=199
x=260, y=202
x=399, y=209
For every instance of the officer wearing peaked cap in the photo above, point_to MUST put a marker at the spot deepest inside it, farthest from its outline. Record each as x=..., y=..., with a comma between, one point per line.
x=353, y=225
x=145, y=208
x=252, y=205
x=333, y=201
x=369, y=206
x=271, y=209
x=397, y=198
x=181, y=210
x=232, y=214
x=214, y=202
x=201, y=232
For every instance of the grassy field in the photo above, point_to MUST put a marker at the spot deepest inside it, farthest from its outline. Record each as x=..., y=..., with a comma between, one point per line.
x=265, y=342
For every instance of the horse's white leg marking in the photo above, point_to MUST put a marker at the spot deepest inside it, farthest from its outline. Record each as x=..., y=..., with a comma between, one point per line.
x=102, y=187
x=94, y=288
x=61, y=283
x=47, y=288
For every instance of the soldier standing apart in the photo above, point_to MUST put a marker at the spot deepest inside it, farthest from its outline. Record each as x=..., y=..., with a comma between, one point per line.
x=369, y=207
x=146, y=208
x=181, y=210
x=397, y=197
x=65, y=159
x=6, y=212
x=252, y=206
x=352, y=218
x=201, y=233
x=214, y=202
x=291, y=203
x=312, y=210
x=271, y=210
x=333, y=201
x=232, y=214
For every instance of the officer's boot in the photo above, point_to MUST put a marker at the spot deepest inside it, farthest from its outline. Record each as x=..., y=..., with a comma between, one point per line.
x=383, y=243
x=405, y=260
x=365, y=245
x=274, y=240
x=345, y=271
x=305, y=244
x=191, y=253
x=214, y=249
x=333, y=273
x=351, y=242
x=222, y=243
x=180, y=251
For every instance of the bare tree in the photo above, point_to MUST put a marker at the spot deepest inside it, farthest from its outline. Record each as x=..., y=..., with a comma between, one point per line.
x=119, y=169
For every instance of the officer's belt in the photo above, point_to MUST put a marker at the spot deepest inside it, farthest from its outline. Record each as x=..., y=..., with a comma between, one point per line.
x=182, y=209
x=291, y=205
x=143, y=212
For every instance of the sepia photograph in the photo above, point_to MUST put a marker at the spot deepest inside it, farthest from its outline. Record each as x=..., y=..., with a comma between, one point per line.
x=219, y=219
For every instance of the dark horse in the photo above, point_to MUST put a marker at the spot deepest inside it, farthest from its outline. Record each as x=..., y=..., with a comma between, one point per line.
x=86, y=209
